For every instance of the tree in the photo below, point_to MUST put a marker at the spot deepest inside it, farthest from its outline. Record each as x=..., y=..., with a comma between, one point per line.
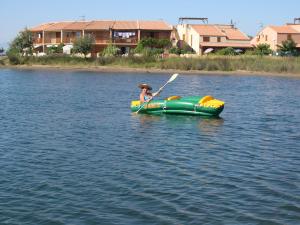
x=227, y=51
x=263, y=49
x=110, y=50
x=23, y=43
x=55, y=49
x=152, y=46
x=21, y=46
x=83, y=45
x=288, y=48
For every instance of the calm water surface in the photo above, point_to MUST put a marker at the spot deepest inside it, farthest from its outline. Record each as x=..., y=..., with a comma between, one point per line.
x=71, y=152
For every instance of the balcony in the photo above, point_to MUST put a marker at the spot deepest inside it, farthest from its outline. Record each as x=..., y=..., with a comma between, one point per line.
x=38, y=41
x=125, y=40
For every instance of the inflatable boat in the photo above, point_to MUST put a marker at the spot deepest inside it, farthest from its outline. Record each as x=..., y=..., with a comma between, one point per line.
x=193, y=105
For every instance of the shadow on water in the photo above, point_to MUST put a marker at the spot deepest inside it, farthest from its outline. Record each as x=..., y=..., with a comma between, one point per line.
x=204, y=124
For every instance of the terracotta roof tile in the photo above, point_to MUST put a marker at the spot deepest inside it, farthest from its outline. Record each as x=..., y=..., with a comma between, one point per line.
x=220, y=30
x=235, y=34
x=295, y=27
x=154, y=25
x=103, y=25
x=207, y=30
x=79, y=25
x=125, y=25
x=58, y=26
x=41, y=27
x=100, y=25
x=284, y=29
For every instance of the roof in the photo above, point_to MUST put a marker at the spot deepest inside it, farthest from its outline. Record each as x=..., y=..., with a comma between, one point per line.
x=154, y=25
x=57, y=26
x=226, y=44
x=295, y=27
x=284, y=29
x=235, y=34
x=104, y=25
x=207, y=30
x=80, y=25
x=41, y=27
x=220, y=31
x=99, y=25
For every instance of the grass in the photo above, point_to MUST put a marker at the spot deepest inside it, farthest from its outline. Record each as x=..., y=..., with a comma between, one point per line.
x=204, y=63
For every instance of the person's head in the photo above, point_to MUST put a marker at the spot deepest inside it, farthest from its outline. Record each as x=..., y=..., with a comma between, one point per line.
x=145, y=88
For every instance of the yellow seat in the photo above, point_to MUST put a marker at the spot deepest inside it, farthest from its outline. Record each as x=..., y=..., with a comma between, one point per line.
x=209, y=101
x=175, y=97
x=135, y=103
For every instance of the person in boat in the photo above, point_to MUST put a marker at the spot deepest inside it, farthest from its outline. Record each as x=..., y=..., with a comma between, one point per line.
x=146, y=95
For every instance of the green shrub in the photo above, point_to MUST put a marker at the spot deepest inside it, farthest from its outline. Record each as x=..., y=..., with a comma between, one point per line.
x=288, y=48
x=226, y=51
x=110, y=51
x=83, y=45
x=152, y=46
x=55, y=49
x=263, y=49
x=175, y=50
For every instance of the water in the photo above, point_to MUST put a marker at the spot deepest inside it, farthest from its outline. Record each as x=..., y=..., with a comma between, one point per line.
x=71, y=152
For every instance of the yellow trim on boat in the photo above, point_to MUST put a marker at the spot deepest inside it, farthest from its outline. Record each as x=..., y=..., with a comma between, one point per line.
x=175, y=97
x=135, y=103
x=209, y=101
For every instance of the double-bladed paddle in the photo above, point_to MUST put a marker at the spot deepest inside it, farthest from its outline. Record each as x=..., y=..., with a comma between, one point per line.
x=172, y=78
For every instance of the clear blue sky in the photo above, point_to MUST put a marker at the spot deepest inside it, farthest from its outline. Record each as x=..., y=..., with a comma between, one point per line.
x=248, y=15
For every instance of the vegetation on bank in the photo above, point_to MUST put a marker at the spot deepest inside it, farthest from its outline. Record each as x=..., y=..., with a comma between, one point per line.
x=148, y=54
x=208, y=63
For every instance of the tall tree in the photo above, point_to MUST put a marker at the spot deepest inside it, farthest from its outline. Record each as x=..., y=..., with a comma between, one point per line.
x=288, y=47
x=83, y=45
x=263, y=49
x=23, y=43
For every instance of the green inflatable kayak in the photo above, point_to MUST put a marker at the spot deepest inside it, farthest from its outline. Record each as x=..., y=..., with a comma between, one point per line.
x=194, y=105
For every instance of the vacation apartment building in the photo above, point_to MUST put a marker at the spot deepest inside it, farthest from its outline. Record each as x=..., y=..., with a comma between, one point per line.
x=275, y=35
x=203, y=38
x=124, y=34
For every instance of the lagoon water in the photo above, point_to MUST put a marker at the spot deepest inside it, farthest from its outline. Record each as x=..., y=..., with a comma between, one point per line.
x=71, y=152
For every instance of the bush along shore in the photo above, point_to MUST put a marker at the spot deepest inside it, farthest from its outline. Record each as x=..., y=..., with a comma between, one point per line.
x=152, y=53
x=290, y=65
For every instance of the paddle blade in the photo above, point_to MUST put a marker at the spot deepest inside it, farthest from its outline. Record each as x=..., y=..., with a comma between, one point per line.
x=173, y=77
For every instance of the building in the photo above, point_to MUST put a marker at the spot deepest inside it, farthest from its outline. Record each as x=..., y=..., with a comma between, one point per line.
x=124, y=34
x=275, y=35
x=212, y=37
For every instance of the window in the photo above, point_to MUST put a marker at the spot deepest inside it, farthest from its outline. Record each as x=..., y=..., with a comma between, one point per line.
x=191, y=40
x=289, y=37
x=183, y=37
x=206, y=39
x=218, y=39
x=266, y=38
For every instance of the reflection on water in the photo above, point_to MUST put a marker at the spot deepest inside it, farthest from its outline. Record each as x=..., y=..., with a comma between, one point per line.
x=71, y=152
x=210, y=125
x=204, y=124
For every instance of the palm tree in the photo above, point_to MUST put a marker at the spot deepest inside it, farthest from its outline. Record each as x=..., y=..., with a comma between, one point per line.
x=288, y=47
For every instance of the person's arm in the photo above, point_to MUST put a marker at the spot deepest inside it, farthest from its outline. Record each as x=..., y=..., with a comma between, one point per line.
x=142, y=100
x=156, y=93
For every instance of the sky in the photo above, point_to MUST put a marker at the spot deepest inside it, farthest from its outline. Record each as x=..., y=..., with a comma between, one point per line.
x=249, y=16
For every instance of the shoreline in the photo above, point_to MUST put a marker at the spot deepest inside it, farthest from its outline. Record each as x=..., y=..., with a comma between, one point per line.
x=113, y=69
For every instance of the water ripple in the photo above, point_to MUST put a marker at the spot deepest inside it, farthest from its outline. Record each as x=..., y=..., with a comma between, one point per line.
x=72, y=153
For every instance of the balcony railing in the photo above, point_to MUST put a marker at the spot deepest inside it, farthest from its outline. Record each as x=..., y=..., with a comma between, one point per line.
x=38, y=41
x=125, y=40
